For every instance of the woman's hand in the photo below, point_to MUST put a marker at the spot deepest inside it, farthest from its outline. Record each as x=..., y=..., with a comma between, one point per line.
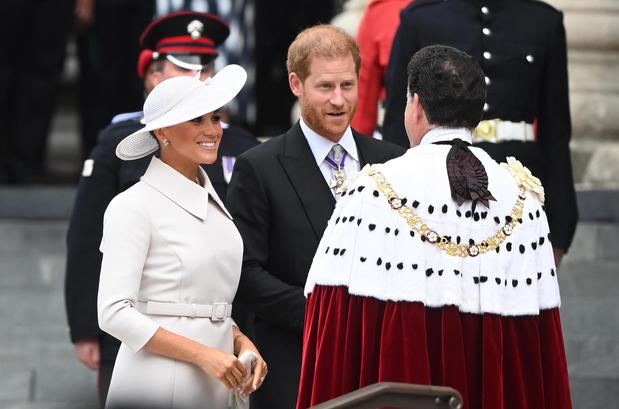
x=241, y=344
x=223, y=366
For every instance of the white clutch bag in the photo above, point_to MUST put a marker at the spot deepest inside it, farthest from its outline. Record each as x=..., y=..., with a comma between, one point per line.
x=236, y=400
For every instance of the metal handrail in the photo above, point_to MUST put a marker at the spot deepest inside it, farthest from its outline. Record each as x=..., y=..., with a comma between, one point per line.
x=400, y=395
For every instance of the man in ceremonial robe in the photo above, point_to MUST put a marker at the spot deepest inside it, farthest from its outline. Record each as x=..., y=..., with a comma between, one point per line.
x=435, y=268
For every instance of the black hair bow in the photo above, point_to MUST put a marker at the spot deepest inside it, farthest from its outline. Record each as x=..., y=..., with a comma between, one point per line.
x=468, y=179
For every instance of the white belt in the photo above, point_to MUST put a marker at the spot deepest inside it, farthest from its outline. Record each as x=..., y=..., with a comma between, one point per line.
x=216, y=312
x=496, y=130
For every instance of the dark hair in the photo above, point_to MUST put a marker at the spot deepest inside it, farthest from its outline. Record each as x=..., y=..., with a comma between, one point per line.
x=450, y=85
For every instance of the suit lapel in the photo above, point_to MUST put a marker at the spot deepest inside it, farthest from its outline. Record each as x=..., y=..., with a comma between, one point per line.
x=366, y=153
x=307, y=180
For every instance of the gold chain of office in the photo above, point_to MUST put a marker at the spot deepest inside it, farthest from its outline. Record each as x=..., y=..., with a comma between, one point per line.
x=443, y=242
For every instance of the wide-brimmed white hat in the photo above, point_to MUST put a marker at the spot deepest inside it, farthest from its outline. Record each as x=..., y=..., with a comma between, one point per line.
x=177, y=100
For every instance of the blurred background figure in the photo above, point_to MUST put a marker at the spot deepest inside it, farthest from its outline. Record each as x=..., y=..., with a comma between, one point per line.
x=521, y=48
x=277, y=22
x=349, y=17
x=177, y=44
x=107, y=33
x=375, y=37
x=35, y=34
x=238, y=48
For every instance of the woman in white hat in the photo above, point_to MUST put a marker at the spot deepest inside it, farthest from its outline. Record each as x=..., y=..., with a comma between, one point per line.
x=172, y=260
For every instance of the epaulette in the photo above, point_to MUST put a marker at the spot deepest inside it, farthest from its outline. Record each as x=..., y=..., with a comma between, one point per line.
x=523, y=177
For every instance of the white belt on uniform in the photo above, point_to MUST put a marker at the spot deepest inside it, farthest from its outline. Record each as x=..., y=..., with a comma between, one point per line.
x=497, y=130
x=216, y=312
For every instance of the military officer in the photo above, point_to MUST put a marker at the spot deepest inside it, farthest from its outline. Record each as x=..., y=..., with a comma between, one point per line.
x=181, y=43
x=521, y=47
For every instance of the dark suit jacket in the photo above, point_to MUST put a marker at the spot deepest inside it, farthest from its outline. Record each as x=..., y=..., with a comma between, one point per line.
x=281, y=204
x=527, y=81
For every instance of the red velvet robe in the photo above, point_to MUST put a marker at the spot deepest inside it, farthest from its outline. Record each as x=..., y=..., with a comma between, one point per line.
x=495, y=362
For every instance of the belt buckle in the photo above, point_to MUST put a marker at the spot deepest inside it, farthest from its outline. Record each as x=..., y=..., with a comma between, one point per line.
x=219, y=311
x=486, y=131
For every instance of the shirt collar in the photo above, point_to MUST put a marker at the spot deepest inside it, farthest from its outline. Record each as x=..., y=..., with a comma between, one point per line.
x=176, y=187
x=321, y=146
x=446, y=134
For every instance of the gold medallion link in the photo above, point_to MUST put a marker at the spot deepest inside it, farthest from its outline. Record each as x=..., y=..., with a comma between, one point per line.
x=415, y=222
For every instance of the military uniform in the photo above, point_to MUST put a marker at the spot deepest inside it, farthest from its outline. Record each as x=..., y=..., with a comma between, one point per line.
x=103, y=177
x=520, y=45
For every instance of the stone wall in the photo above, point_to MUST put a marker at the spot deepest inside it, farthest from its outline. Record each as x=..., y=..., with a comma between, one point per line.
x=593, y=52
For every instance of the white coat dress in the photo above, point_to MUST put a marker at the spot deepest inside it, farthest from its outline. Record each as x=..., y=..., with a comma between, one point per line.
x=166, y=239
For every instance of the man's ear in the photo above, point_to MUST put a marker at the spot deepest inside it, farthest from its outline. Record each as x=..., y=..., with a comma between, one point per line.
x=296, y=85
x=155, y=77
x=418, y=110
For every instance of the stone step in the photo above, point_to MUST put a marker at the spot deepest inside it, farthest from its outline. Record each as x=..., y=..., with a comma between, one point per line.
x=594, y=241
x=36, y=202
x=594, y=392
x=48, y=405
x=44, y=272
x=38, y=329
x=593, y=356
x=590, y=316
x=591, y=336
x=32, y=237
x=598, y=205
x=48, y=383
x=589, y=279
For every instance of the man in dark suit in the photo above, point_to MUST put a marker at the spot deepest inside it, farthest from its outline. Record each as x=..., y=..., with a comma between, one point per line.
x=521, y=47
x=283, y=192
x=105, y=175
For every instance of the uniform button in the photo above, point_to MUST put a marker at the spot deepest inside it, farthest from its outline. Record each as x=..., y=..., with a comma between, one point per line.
x=487, y=80
x=485, y=10
x=486, y=31
x=486, y=107
x=530, y=58
x=487, y=55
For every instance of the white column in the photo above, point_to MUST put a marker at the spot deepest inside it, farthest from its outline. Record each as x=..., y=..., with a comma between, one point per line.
x=593, y=53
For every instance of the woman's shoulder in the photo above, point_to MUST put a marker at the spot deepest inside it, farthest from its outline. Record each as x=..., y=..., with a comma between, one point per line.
x=131, y=201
